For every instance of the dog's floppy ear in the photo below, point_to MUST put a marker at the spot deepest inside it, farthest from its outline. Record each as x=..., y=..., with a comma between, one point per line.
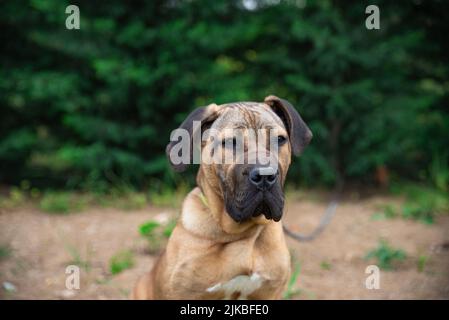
x=206, y=115
x=299, y=132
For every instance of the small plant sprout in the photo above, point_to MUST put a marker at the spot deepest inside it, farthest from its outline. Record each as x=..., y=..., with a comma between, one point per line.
x=121, y=261
x=292, y=291
x=385, y=255
x=422, y=262
x=325, y=265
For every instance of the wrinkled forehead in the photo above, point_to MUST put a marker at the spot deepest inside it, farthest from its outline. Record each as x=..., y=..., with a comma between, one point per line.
x=247, y=115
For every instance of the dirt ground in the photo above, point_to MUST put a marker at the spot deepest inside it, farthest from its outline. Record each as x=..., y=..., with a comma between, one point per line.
x=332, y=266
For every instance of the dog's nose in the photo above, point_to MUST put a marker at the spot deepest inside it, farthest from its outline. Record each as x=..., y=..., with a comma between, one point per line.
x=263, y=178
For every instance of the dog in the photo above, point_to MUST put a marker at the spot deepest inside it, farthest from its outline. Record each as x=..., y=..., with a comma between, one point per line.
x=228, y=242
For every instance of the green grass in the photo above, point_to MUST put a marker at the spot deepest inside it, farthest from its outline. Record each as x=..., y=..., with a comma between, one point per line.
x=61, y=202
x=134, y=201
x=121, y=261
x=82, y=261
x=422, y=262
x=439, y=171
x=64, y=202
x=5, y=252
x=123, y=197
x=419, y=212
x=385, y=255
x=148, y=229
x=168, y=228
x=16, y=197
x=325, y=265
x=292, y=291
x=422, y=203
x=151, y=231
x=168, y=197
x=155, y=233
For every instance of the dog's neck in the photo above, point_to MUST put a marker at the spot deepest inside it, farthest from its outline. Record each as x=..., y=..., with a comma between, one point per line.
x=205, y=218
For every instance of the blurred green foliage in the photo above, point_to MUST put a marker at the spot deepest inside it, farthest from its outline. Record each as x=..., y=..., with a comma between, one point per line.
x=385, y=255
x=422, y=262
x=61, y=202
x=121, y=261
x=83, y=260
x=155, y=233
x=421, y=203
x=5, y=251
x=94, y=107
x=292, y=289
x=150, y=230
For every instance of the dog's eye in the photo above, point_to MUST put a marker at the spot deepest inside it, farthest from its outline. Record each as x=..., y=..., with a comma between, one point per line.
x=281, y=140
x=231, y=143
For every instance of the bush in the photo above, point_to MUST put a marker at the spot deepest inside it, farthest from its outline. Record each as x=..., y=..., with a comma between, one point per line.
x=94, y=107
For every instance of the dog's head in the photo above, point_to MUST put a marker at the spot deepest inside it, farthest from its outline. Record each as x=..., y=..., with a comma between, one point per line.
x=245, y=152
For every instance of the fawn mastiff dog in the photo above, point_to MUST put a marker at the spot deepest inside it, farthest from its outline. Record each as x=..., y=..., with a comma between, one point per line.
x=228, y=242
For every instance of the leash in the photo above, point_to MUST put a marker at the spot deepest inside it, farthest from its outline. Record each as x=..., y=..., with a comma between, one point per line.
x=325, y=220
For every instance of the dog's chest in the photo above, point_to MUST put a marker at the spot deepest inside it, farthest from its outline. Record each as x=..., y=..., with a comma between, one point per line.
x=258, y=278
x=251, y=268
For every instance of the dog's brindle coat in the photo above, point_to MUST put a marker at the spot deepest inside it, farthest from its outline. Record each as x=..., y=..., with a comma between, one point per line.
x=228, y=243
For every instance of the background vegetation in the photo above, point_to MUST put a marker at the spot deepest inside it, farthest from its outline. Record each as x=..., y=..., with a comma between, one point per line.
x=93, y=108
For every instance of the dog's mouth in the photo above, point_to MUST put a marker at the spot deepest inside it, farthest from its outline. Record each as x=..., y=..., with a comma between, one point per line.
x=263, y=208
x=266, y=204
